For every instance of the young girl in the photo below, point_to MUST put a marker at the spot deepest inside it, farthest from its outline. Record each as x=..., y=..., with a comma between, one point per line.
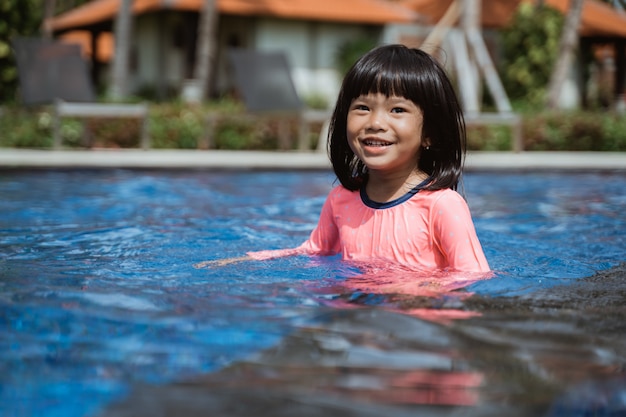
x=396, y=143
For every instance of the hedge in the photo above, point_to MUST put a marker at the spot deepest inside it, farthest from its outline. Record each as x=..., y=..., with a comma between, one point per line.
x=176, y=126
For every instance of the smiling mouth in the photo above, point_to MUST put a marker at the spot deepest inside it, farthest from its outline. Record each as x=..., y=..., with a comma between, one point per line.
x=379, y=143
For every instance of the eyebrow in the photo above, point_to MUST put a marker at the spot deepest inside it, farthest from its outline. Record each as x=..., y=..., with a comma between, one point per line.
x=389, y=98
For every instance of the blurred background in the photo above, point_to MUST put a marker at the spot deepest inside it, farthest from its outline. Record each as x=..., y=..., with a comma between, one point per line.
x=556, y=63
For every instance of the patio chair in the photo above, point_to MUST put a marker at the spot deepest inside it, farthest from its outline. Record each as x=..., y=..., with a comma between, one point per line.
x=52, y=72
x=263, y=79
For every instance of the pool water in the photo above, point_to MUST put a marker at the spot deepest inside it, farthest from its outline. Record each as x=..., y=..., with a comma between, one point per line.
x=101, y=306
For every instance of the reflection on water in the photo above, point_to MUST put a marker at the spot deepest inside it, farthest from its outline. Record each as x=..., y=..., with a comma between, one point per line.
x=99, y=298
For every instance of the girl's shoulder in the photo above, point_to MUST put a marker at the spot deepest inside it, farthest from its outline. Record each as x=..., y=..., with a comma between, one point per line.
x=341, y=191
x=340, y=195
x=436, y=194
x=443, y=196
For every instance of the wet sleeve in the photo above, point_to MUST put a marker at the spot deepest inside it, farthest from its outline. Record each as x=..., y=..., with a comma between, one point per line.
x=324, y=239
x=455, y=235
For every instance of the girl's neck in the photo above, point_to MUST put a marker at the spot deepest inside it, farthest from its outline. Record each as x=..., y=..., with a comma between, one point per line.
x=383, y=188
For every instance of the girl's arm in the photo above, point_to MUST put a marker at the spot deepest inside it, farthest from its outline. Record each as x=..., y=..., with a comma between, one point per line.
x=455, y=234
x=322, y=241
x=221, y=262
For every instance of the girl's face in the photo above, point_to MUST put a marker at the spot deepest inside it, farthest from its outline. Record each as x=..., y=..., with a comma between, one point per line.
x=385, y=133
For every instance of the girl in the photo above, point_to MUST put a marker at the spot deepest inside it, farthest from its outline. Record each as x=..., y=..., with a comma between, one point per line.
x=396, y=143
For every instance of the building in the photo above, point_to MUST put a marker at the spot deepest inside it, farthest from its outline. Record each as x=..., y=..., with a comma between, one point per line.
x=308, y=32
x=164, y=38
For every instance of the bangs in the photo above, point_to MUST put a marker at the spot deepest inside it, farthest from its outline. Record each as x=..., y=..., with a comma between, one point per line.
x=390, y=77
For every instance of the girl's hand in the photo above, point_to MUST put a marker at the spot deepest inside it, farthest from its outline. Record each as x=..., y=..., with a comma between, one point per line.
x=220, y=262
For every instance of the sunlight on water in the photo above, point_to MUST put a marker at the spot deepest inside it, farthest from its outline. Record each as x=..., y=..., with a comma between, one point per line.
x=540, y=229
x=97, y=288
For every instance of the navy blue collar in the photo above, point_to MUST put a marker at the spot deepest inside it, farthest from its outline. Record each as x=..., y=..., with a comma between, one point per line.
x=376, y=205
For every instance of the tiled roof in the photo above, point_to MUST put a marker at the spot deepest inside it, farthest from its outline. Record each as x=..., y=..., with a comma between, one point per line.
x=598, y=19
x=357, y=11
x=347, y=11
x=495, y=13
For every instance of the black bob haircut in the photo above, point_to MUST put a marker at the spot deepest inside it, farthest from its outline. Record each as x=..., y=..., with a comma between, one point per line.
x=396, y=70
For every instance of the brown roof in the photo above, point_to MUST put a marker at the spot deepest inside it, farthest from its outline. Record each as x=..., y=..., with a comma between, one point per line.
x=347, y=11
x=495, y=13
x=598, y=19
x=357, y=11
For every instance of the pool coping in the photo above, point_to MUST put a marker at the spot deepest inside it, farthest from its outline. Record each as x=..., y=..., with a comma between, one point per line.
x=223, y=159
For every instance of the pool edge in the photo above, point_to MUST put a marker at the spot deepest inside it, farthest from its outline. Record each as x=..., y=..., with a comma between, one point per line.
x=291, y=160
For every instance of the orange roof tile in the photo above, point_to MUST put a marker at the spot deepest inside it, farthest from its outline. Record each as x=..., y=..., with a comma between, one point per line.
x=495, y=13
x=97, y=11
x=355, y=11
x=598, y=19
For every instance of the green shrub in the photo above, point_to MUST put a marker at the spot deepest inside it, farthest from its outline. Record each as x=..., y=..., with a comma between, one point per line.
x=575, y=131
x=489, y=138
x=25, y=128
x=614, y=128
x=178, y=126
x=242, y=133
x=106, y=133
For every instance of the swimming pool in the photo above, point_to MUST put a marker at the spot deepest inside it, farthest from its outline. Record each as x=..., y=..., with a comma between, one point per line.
x=100, y=302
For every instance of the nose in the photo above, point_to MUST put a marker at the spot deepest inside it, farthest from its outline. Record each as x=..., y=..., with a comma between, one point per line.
x=376, y=121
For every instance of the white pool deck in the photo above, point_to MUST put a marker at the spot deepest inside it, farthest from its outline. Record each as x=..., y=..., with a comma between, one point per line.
x=214, y=159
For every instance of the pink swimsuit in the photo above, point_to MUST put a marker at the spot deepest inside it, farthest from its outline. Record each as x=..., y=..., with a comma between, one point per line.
x=427, y=230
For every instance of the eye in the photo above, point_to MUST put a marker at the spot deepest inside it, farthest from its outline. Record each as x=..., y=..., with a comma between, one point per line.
x=360, y=107
x=398, y=110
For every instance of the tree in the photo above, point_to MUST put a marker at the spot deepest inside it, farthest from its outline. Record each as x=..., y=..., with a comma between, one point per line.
x=567, y=49
x=49, y=8
x=123, y=34
x=535, y=30
x=205, y=48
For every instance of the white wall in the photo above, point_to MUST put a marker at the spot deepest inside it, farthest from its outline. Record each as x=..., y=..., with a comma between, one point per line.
x=146, y=49
x=158, y=60
x=570, y=93
x=310, y=48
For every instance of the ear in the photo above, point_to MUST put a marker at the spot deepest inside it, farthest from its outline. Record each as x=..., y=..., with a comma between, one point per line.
x=426, y=143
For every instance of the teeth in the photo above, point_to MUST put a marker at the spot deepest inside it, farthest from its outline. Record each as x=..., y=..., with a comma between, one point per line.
x=376, y=143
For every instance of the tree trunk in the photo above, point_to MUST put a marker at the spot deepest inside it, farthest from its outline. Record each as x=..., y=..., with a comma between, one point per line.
x=481, y=60
x=568, y=46
x=205, y=48
x=123, y=32
x=49, y=8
